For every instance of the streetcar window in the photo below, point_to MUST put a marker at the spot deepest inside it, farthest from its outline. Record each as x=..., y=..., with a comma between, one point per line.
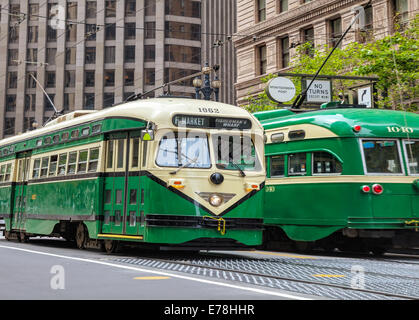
x=325, y=163
x=381, y=156
x=72, y=160
x=297, y=164
x=118, y=196
x=82, y=163
x=74, y=134
x=2, y=172
x=36, y=168
x=39, y=142
x=234, y=152
x=64, y=136
x=44, y=166
x=85, y=132
x=8, y=172
x=108, y=196
x=133, y=196
x=62, y=162
x=107, y=218
x=109, y=158
x=132, y=218
x=96, y=128
x=412, y=151
x=278, y=166
x=277, y=137
x=135, y=152
x=191, y=151
x=47, y=140
x=56, y=138
x=117, y=217
x=93, y=159
x=53, y=165
x=120, y=154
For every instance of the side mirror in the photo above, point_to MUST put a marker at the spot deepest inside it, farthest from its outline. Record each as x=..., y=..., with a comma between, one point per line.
x=147, y=135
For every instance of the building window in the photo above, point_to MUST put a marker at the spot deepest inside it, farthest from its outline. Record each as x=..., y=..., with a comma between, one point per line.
x=50, y=56
x=150, y=7
x=89, y=101
x=69, y=101
x=89, y=79
x=109, y=54
x=261, y=10
x=149, y=53
x=129, y=53
x=110, y=8
x=130, y=30
x=51, y=34
x=130, y=8
x=108, y=99
x=335, y=31
x=109, y=78
x=129, y=77
x=282, y=5
x=30, y=102
x=90, y=31
x=91, y=9
x=150, y=76
x=71, y=32
x=50, y=79
x=33, y=34
x=285, y=52
x=70, y=78
x=10, y=103
x=30, y=82
x=32, y=55
x=9, y=126
x=12, y=80
x=70, y=55
x=72, y=10
x=401, y=12
x=47, y=104
x=90, y=55
x=110, y=31
x=33, y=12
x=13, y=34
x=262, y=60
x=13, y=57
x=150, y=32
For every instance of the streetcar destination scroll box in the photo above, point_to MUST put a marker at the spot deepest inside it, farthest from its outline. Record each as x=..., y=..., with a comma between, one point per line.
x=211, y=122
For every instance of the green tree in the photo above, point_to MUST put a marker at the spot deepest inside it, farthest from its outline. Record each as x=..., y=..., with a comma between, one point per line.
x=393, y=59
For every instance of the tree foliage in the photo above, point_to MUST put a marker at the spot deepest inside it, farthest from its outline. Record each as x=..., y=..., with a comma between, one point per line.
x=394, y=59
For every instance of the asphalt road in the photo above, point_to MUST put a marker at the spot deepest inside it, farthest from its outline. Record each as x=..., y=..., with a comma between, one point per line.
x=50, y=270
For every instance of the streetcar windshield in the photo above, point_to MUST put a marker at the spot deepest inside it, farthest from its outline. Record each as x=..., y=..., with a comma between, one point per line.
x=412, y=151
x=235, y=152
x=189, y=151
x=382, y=156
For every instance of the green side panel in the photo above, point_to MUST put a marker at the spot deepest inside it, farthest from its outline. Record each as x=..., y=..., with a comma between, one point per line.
x=5, y=200
x=160, y=200
x=121, y=124
x=308, y=233
x=309, y=212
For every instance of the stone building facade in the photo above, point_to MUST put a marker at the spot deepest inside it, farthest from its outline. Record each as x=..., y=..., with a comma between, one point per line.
x=269, y=31
x=94, y=54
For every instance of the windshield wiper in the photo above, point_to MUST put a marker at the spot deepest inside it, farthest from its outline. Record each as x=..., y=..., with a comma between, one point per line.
x=191, y=161
x=237, y=166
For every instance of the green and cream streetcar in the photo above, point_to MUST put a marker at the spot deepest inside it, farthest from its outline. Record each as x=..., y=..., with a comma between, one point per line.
x=342, y=177
x=165, y=171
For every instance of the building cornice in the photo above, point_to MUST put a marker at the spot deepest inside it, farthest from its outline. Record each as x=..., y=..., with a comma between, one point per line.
x=290, y=20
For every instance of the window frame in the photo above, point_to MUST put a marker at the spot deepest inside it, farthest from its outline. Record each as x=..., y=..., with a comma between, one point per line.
x=325, y=174
x=401, y=159
x=406, y=157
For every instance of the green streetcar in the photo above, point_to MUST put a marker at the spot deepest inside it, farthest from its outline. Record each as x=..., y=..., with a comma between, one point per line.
x=156, y=171
x=342, y=177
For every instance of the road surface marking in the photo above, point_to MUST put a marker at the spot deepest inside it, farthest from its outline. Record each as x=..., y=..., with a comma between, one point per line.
x=217, y=283
x=329, y=275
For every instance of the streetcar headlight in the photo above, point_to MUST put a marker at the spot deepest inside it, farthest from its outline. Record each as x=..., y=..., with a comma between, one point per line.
x=215, y=200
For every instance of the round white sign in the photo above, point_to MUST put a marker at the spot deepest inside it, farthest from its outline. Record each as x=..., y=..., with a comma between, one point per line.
x=280, y=89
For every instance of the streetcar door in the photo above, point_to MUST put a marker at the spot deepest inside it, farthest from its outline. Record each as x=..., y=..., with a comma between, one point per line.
x=114, y=186
x=20, y=194
x=133, y=200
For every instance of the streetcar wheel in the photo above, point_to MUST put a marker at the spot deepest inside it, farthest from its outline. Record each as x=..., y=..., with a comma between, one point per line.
x=110, y=246
x=81, y=236
x=23, y=237
x=304, y=246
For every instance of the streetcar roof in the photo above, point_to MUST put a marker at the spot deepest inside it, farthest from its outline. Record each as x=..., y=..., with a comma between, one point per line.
x=373, y=122
x=157, y=110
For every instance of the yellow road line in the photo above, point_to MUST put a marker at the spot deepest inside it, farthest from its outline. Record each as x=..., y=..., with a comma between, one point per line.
x=151, y=278
x=329, y=275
